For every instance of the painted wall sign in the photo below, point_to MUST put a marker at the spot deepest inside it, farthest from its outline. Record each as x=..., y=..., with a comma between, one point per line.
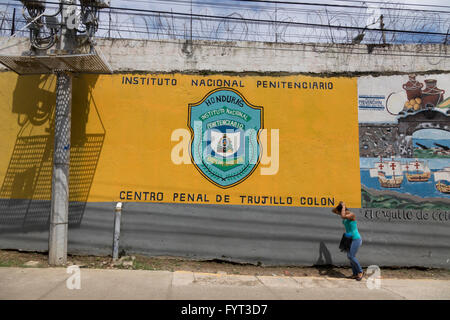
x=225, y=130
x=176, y=138
x=371, y=102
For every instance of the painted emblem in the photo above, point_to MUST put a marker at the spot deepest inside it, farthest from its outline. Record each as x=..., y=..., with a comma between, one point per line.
x=225, y=144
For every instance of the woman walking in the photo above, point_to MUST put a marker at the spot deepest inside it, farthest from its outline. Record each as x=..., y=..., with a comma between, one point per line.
x=351, y=230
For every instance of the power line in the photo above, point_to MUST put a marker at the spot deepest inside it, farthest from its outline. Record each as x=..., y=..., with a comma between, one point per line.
x=226, y=6
x=265, y=21
x=399, y=3
x=305, y=25
x=295, y=3
x=202, y=17
x=338, y=5
x=356, y=50
x=137, y=28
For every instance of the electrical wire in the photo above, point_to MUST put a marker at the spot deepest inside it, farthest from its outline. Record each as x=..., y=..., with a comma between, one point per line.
x=180, y=16
x=266, y=21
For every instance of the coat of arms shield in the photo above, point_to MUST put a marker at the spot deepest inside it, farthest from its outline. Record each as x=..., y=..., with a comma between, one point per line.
x=225, y=129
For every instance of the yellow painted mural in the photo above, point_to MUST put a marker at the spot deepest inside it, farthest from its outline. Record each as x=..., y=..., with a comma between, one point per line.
x=177, y=138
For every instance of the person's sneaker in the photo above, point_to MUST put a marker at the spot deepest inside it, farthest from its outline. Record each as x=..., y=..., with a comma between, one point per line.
x=359, y=277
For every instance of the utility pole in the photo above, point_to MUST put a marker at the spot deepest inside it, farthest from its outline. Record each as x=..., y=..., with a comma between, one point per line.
x=59, y=215
x=73, y=51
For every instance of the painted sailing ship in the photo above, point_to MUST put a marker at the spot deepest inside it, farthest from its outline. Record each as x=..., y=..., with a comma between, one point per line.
x=442, y=179
x=417, y=171
x=389, y=173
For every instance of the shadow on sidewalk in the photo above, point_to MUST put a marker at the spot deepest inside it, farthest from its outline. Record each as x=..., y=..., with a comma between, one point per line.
x=330, y=271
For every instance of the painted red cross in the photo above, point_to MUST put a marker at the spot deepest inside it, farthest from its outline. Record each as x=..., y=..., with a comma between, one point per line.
x=393, y=166
x=381, y=166
x=417, y=165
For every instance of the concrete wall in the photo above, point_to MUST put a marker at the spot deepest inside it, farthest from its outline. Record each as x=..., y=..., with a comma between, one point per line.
x=176, y=55
x=267, y=234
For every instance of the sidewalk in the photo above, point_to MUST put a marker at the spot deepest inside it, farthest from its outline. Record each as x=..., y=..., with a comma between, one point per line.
x=50, y=283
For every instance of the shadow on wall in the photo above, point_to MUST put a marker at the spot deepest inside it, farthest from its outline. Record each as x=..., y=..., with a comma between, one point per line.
x=26, y=190
x=324, y=263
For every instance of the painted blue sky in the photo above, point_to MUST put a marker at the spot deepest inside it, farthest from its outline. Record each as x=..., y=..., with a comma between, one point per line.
x=432, y=134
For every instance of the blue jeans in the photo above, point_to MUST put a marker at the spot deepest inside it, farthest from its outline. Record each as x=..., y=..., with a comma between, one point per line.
x=356, y=267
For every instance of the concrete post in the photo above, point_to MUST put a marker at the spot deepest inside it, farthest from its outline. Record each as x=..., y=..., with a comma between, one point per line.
x=59, y=215
x=117, y=219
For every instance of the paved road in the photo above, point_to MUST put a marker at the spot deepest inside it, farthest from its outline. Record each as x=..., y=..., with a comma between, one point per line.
x=51, y=283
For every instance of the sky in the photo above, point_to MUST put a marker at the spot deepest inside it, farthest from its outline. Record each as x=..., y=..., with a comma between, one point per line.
x=198, y=4
x=288, y=25
x=284, y=32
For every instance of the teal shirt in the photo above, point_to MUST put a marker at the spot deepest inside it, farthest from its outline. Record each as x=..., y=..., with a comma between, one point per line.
x=351, y=228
